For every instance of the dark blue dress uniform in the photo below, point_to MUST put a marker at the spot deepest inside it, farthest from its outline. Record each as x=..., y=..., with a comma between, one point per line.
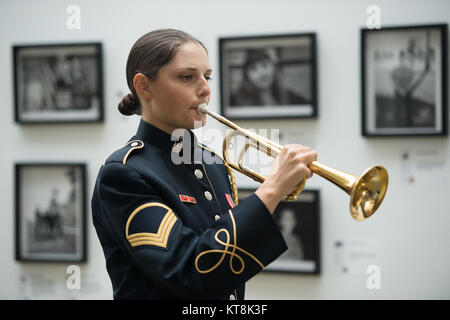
x=170, y=230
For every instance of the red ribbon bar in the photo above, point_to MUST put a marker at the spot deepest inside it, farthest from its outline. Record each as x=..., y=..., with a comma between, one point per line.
x=229, y=200
x=188, y=199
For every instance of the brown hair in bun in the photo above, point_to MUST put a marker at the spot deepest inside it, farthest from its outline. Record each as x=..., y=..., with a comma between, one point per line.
x=150, y=52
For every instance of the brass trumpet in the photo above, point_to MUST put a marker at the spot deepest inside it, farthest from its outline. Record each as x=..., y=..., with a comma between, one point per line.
x=366, y=191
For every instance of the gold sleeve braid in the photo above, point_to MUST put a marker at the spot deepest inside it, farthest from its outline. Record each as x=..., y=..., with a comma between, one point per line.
x=232, y=252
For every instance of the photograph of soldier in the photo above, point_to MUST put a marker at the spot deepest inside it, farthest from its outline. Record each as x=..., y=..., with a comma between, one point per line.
x=404, y=81
x=50, y=212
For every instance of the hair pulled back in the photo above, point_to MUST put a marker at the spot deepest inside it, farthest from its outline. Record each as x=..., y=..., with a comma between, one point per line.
x=150, y=52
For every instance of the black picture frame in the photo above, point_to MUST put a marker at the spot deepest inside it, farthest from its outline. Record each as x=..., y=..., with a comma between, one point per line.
x=50, y=212
x=58, y=83
x=404, y=81
x=283, y=83
x=299, y=223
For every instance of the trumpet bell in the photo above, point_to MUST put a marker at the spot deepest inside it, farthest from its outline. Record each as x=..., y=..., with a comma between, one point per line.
x=368, y=192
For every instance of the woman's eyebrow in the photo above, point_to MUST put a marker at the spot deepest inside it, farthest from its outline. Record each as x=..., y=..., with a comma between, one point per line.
x=195, y=69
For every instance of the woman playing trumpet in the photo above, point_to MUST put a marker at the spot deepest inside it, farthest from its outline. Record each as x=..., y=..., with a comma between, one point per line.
x=172, y=231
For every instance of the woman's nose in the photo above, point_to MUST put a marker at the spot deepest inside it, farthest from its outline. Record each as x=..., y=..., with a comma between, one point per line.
x=204, y=90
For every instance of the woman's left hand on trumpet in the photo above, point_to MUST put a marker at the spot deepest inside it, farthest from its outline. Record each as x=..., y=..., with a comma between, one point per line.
x=287, y=171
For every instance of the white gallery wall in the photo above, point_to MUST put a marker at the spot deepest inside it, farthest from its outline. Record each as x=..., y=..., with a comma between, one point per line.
x=408, y=237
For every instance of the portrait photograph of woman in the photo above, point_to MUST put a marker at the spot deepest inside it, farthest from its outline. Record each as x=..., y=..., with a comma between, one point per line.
x=268, y=76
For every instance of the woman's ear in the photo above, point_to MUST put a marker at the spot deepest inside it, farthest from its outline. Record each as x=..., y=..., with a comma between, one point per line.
x=141, y=85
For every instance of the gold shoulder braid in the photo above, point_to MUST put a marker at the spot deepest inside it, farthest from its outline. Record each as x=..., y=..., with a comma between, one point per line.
x=133, y=144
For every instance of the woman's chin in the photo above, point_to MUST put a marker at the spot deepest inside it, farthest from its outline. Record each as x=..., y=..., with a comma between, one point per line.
x=198, y=121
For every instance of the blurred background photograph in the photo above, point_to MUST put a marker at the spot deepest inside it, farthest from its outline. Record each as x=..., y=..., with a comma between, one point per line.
x=58, y=83
x=404, y=77
x=268, y=76
x=50, y=212
x=299, y=223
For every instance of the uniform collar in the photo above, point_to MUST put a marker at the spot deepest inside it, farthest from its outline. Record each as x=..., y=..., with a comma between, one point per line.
x=160, y=138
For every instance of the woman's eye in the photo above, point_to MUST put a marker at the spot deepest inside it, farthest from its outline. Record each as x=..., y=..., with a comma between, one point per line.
x=190, y=77
x=186, y=77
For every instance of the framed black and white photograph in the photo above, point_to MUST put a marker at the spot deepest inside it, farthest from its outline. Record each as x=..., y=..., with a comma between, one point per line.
x=50, y=212
x=270, y=76
x=404, y=81
x=58, y=83
x=299, y=223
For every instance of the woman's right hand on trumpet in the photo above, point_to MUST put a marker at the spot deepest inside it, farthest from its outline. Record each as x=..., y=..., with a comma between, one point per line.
x=287, y=171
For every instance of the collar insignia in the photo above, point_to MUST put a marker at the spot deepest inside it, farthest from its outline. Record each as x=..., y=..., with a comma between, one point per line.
x=177, y=147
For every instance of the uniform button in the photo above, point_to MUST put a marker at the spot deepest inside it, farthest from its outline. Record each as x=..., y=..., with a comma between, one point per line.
x=198, y=173
x=208, y=195
x=134, y=144
x=217, y=217
x=232, y=297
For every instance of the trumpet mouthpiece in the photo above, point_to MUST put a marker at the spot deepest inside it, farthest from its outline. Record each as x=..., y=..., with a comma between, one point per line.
x=203, y=108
